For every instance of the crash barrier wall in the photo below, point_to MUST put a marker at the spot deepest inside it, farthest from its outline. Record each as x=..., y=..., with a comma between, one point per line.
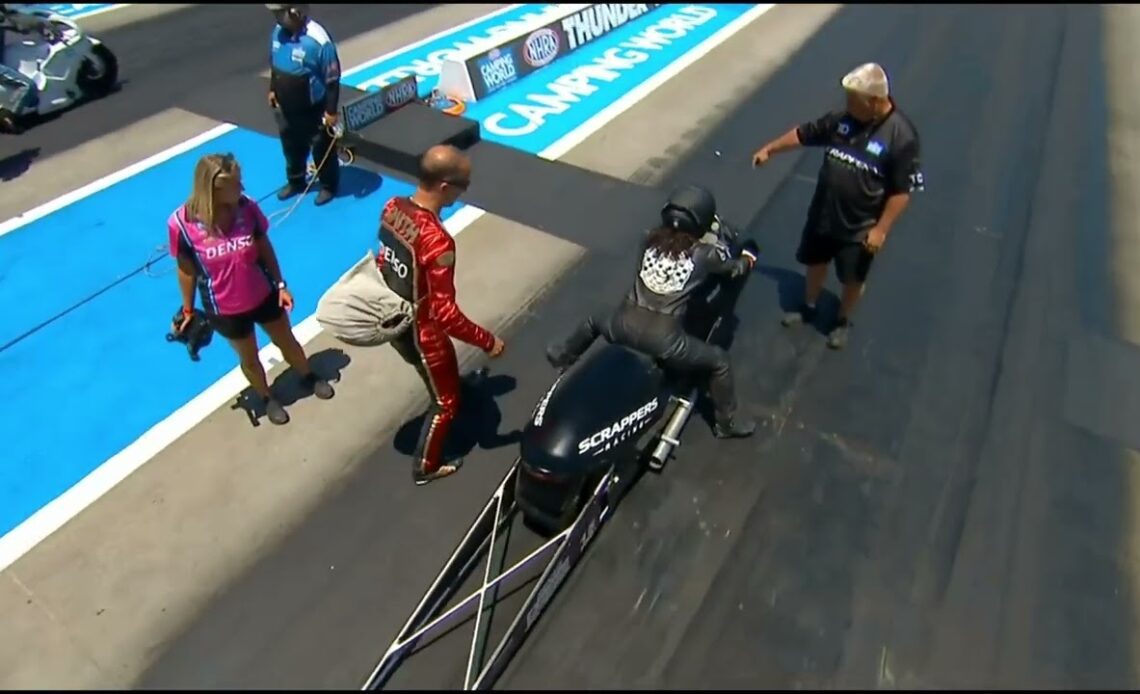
x=399, y=138
x=366, y=107
x=489, y=67
x=391, y=127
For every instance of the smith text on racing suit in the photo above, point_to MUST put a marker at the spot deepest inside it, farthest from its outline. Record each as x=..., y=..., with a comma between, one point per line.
x=417, y=260
x=675, y=268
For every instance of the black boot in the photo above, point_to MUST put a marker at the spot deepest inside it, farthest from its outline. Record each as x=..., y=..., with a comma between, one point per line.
x=290, y=190
x=722, y=392
x=558, y=357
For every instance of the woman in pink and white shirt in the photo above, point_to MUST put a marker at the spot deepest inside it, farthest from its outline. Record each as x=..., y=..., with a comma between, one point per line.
x=220, y=239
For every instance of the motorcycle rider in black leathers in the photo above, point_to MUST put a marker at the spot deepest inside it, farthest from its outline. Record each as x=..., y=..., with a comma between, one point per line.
x=676, y=266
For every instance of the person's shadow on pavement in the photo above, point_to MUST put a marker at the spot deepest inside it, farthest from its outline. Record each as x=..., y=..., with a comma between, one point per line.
x=287, y=387
x=790, y=293
x=478, y=421
x=357, y=182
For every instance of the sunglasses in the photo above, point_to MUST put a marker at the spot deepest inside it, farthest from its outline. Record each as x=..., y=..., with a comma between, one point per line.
x=460, y=183
x=227, y=172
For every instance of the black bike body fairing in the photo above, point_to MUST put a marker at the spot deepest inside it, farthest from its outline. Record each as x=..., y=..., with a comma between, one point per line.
x=593, y=412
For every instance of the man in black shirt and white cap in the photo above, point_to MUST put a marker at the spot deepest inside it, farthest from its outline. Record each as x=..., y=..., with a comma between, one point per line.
x=870, y=168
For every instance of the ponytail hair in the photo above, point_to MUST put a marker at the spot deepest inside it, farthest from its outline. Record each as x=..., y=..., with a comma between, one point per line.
x=670, y=242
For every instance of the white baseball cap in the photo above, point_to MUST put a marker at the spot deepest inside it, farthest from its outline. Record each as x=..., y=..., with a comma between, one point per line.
x=286, y=6
x=869, y=79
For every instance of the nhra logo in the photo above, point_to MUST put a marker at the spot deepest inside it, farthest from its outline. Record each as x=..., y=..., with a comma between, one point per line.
x=541, y=47
x=498, y=69
x=401, y=93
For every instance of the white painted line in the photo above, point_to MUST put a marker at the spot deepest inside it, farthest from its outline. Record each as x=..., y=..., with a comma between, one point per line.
x=41, y=211
x=446, y=32
x=71, y=503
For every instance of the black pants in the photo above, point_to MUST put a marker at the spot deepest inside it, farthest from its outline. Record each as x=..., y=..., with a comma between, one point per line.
x=303, y=134
x=664, y=338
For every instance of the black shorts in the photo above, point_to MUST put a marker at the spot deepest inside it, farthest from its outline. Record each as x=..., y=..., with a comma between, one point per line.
x=240, y=326
x=852, y=259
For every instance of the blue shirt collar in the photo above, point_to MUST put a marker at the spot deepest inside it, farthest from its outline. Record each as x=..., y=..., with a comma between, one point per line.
x=284, y=35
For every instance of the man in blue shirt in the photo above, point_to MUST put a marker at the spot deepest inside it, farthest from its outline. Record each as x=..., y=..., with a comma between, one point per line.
x=304, y=93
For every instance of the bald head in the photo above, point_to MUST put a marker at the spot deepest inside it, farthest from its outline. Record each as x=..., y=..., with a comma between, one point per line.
x=444, y=164
x=445, y=173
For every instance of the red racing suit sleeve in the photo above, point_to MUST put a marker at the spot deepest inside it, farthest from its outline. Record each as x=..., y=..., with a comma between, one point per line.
x=438, y=263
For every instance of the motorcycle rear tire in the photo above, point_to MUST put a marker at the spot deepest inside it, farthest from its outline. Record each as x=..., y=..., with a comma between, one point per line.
x=9, y=124
x=102, y=83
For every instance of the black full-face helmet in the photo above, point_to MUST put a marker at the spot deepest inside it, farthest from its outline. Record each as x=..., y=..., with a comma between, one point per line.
x=691, y=209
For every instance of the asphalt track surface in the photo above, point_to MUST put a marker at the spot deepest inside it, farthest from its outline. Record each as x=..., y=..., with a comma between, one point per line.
x=924, y=509
x=189, y=49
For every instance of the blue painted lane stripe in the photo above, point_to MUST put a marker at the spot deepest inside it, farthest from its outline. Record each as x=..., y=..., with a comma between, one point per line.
x=536, y=112
x=77, y=11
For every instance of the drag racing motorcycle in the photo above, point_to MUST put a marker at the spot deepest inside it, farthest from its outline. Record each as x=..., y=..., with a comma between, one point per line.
x=606, y=420
x=48, y=63
x=612, y=413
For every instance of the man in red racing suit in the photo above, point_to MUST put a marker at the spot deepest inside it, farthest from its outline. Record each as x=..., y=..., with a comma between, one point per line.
x=417, y=259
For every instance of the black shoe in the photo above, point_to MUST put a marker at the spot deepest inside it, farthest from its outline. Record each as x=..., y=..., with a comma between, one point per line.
x=735, y=429
x=290, y=190
x=803, y=314
x=324, y=197
x=275, y=412
x=837, y=338
x=446, y=470
x=319, y=386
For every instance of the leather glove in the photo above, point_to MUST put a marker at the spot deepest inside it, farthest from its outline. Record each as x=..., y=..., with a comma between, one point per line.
x=750, y=249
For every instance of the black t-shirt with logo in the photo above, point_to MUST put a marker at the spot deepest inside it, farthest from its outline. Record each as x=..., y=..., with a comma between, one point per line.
x=863, y=165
